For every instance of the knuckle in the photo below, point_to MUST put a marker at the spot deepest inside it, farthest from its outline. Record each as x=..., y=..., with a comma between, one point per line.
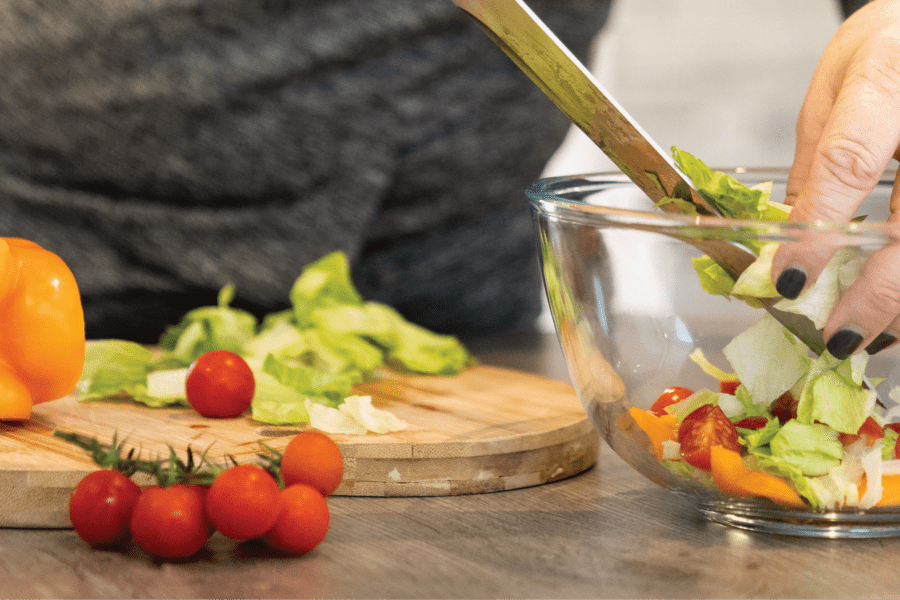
x=879, y=68
x=850, y=163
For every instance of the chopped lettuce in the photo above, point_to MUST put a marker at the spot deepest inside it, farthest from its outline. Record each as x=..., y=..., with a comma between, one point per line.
x=814, y=449
x=768, y=360
x=833, y=397
x=328, y=341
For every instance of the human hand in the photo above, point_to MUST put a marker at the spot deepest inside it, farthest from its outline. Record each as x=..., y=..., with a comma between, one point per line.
x=847, y=132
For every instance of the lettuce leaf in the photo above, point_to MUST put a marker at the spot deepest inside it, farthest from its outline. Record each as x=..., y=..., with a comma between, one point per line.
x=813, y=449
x=768, y=360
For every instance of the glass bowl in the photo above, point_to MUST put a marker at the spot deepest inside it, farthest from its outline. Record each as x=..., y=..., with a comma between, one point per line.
x=629, y=310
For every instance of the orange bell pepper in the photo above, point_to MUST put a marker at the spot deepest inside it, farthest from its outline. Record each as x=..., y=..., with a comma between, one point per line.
x=733, y=477
x=658, y=429
x=42, y=336
x=890, y=490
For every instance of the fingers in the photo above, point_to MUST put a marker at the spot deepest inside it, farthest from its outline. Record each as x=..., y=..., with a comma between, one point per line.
x=847, y=132
x=866, y=316
x=860, y=135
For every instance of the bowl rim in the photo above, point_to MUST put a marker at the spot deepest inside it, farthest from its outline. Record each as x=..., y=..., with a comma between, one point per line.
x=546, y=198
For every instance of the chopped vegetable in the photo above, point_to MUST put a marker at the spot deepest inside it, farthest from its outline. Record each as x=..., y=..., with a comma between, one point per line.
x=786, y=425
x=304, y=360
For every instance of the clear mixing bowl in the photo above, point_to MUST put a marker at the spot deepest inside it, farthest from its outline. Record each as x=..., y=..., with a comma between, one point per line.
x=629, y=310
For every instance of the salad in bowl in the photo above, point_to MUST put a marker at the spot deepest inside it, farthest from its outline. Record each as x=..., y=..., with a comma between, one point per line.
x=692, y=382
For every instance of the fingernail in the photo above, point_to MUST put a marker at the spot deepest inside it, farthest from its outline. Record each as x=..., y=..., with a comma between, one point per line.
x=844, y=343
x=791, y=281
x=880, y=343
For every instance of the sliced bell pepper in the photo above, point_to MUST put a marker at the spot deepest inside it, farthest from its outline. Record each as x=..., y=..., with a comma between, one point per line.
x=734, y=478
x=890, y=490
x=42, y=337
x=658, y=429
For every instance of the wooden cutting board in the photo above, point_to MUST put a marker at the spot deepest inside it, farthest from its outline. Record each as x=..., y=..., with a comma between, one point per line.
x=485, y=430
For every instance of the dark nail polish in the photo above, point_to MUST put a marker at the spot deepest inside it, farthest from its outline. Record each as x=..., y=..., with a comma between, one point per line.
x=880, y=343
x=790, y=283
x=844, y=343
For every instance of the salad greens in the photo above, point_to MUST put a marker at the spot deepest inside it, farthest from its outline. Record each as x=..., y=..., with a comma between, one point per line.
x=811, y=449
x=305, y=359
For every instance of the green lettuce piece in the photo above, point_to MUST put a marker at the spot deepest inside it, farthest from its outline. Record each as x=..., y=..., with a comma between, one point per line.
x=756, y=438
x=710, y=369
x=728, y=195
x=805, y=486
x=768, y=360
x=813, y=449
x=333, y=387
x=756, y=280
x=113, y=367
x=713, y=278
x=209, y=328
x=831, y=399
x=276, y=403
x=323, y=283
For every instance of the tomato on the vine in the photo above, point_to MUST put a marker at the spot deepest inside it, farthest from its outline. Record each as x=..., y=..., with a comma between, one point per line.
x=313, y=458
x=669, y=397
x=100, y=507
x=302, y=522
x=243, y=502
x=170, y=522
x=702, y=429
x=220, y=384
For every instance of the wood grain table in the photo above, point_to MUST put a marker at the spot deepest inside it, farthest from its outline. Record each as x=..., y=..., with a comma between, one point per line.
x=606, y=533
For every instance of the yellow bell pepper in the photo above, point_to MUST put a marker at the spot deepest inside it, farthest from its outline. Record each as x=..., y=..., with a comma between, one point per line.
x=733, y=477
x=42, y=336
x=658, y=429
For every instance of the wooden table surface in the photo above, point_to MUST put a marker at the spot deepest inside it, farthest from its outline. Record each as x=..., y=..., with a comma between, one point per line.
x=606, y=533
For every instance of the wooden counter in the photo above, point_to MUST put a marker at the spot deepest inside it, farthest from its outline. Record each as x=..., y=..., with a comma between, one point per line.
x=606, y=533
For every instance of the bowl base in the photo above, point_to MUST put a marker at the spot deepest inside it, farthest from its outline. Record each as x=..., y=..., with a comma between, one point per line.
x=867, y=524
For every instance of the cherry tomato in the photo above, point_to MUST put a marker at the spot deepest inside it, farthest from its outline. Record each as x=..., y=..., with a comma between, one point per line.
x=729, y=387
x=243, y=502
x=220, y=385
x=100, y=508
x=170, y=522
x=313, y=458
x=752, y=423
x=701, y=430
x=870, y=430
x=302, y=522
x=784, y=408
x=669, y=397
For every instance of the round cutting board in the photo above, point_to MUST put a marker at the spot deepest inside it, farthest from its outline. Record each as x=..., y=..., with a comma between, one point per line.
x=485, y=430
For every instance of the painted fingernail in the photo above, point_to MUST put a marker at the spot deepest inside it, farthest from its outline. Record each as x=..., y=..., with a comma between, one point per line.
x=844, y=343
x=880, y=343
x=791, y=281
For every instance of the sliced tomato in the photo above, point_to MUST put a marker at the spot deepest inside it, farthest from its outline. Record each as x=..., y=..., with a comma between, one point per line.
x=752, y=423
x=729, y=387
x=701, y=430
x=870, y=430
x=784, y=408
x=669, y=397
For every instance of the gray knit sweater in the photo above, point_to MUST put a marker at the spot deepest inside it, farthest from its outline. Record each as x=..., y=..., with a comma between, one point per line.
x=164, y=148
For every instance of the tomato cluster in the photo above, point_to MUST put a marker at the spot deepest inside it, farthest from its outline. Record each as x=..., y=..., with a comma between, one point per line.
x=282, y=503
